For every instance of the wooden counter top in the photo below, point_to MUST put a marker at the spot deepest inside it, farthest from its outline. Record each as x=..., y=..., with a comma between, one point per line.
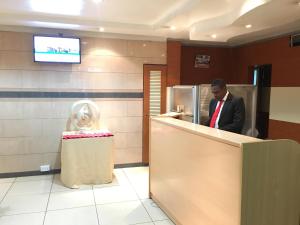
x=202, y=175
x=215, y=134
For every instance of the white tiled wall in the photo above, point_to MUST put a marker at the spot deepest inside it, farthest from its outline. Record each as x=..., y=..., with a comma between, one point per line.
x=30, y=128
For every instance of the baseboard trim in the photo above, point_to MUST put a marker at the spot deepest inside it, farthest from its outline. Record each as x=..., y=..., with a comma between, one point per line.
x=37, y=173
x=126, y=165
x=28, y=173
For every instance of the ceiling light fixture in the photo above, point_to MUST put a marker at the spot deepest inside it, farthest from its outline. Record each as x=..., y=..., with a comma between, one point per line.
x=101, y=29
x=57, y=6
x=251, y=4
x=248, y=26
x=173, y=28
x=214, y=36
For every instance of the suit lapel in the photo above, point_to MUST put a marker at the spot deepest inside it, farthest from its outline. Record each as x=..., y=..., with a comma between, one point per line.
x=225, y=106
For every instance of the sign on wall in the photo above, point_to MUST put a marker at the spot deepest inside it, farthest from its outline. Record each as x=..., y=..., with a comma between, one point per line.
x=202, y=61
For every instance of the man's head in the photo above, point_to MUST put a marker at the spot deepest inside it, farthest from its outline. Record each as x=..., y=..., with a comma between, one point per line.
x=218, y=89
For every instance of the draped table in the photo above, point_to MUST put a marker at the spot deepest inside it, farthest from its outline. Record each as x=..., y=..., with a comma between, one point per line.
x=86, y=158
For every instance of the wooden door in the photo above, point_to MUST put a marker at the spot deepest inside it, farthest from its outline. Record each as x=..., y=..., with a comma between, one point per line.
x=151, y=71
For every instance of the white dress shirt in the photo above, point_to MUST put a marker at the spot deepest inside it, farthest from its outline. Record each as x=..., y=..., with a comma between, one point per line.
x=224, y=99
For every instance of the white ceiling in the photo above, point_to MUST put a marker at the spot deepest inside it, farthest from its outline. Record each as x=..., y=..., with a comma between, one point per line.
x=194, y=20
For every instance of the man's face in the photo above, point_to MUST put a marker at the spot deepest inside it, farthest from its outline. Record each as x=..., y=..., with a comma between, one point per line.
x=219, y=93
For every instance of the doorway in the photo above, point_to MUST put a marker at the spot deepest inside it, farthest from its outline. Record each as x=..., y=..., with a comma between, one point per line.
x=154, y=103
x=261, y=77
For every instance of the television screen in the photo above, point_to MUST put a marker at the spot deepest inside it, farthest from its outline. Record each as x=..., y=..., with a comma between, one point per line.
x=56, y=49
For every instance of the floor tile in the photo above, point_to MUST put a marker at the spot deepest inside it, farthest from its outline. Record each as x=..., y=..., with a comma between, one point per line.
x=58, y=186
x=137, y=171
x=118, y=202
x=34, y=178
x=30, y=187
x=23, y=219
x=114, y=194
x=71, y=199
x=139, y=179
x=17, y=204
x=119, y=179
x=164, y=222
x=154, y=211
x=76, y=216
x=124, y=213
x=3, y=189
x=7, y=180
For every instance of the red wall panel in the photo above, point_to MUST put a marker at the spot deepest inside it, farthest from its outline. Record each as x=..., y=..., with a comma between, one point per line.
x=173, y=62
x=284, y=59
x=220, y=65
x=284, y=130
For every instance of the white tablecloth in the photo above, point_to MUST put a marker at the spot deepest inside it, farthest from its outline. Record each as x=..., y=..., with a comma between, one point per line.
x=86, y=161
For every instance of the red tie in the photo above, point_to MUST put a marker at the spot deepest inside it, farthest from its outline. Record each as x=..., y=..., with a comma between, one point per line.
x=215, y=115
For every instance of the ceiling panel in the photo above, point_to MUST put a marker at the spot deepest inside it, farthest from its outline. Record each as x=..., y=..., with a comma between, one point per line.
x=200, y=20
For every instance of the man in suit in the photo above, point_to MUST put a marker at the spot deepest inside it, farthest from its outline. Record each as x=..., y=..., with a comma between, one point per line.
x=226, y=112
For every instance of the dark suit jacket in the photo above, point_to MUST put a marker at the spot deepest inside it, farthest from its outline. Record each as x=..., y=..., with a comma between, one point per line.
x=232, y=116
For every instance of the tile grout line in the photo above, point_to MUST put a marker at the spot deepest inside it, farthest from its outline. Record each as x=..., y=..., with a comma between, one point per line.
x=153, y=221
x=72, y=190
x=98, y=218
x=111, y=203
x=137, y=195
x=24, y=213
x=53, y=178
x=61, y=209
x=25, y=181
x=48, y=201
x=142, y=223
x=8, y=190
x=15, y=181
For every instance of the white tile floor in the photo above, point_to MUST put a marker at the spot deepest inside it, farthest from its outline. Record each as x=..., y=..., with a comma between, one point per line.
x=43, y=200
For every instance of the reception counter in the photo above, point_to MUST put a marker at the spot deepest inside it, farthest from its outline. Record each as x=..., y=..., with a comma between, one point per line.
x=204, y=176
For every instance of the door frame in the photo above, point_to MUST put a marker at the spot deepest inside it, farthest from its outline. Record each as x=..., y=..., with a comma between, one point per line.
x=146, y=102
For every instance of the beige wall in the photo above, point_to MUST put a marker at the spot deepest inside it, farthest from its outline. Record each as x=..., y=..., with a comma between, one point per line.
x=30, y=128
x=284, y=104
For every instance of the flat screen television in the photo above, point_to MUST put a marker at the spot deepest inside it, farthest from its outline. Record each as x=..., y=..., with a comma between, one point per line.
x=56, y=49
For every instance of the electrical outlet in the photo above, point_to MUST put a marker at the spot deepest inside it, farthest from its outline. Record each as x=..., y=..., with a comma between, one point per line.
x=45, y=168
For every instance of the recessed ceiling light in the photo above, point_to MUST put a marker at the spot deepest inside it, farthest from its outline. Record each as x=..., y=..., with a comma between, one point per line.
x=214, y=36
x=173, y=28
x=74, y=7
x=248, y=26
x=101, y=29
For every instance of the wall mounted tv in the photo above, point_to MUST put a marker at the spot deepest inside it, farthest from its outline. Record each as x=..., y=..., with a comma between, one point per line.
x=56, y=49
